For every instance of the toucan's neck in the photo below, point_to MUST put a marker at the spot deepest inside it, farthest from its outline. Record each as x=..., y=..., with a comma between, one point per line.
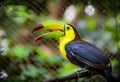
x=70, y=36
x=73, y=36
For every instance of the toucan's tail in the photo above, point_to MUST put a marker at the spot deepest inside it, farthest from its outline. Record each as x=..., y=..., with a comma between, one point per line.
x=108, y=76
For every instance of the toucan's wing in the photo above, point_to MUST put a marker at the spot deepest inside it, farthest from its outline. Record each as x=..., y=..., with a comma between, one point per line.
x=84, y=52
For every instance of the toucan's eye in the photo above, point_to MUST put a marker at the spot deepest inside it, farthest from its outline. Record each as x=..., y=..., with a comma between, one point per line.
x=68, y=28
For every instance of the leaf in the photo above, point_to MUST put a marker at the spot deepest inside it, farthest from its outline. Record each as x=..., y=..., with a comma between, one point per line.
x=91, y=23
x=20, y=51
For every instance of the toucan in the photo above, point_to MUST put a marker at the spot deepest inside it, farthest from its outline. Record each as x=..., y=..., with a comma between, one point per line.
x=76, y=50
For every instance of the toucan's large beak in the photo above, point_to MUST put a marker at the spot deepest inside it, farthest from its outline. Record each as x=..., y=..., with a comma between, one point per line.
x=56, y=27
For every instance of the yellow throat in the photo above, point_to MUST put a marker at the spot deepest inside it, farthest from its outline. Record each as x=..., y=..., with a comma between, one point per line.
x=68, y=37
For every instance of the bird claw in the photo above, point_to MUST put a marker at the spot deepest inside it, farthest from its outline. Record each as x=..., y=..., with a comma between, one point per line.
x=79, y=71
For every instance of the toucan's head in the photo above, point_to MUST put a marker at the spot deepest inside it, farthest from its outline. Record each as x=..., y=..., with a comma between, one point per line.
x=58, y=30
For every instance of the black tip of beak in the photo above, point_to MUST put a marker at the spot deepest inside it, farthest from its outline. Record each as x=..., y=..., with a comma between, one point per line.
x=39, y=26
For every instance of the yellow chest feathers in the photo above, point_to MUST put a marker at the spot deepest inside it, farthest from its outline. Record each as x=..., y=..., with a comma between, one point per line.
x=63, y=41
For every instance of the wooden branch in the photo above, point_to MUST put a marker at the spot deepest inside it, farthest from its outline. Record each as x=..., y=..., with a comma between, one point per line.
x=71, y=77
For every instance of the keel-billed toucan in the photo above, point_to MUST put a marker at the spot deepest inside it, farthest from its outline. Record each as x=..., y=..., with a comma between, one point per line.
x=77, y=51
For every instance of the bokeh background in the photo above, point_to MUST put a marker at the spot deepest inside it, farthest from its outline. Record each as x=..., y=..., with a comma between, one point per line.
x=23, y=60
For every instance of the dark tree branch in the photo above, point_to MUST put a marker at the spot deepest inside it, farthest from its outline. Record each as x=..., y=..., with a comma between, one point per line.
x=72, y=76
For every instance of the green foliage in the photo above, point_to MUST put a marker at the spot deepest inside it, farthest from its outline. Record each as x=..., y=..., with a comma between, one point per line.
x=19, y=13
x=32, y=72
x=54, y=59
x=19, y=51
x=91, y=24
x=64, y=69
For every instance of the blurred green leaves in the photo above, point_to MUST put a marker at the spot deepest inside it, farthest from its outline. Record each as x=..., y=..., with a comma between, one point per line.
x=91, y=24
x=42, y=56
x=53, y=59
x=32, y=71
x=67, y=68
x=103, y=32
x=19, y=13
x=20, y=51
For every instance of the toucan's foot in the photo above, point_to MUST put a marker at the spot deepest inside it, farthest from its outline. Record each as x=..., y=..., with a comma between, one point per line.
x=81, y=70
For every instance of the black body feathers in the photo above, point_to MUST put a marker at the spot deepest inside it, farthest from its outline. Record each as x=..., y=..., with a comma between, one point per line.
x=86, y=55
